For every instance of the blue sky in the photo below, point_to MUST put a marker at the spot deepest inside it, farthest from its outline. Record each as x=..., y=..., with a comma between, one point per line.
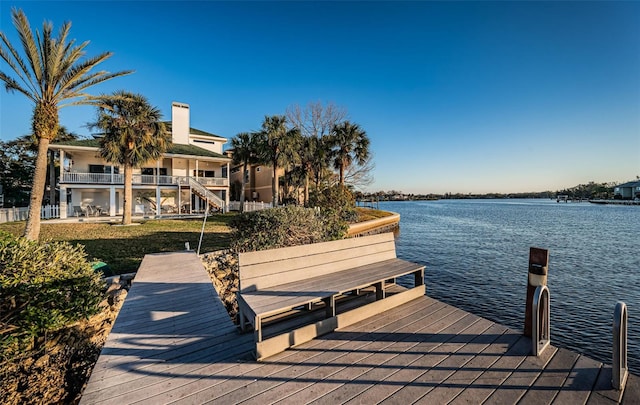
x=462, y=97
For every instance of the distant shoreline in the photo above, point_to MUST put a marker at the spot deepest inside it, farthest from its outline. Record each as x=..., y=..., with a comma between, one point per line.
x=615, y=202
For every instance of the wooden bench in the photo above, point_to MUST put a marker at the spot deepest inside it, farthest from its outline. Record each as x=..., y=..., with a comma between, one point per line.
x=273, y=282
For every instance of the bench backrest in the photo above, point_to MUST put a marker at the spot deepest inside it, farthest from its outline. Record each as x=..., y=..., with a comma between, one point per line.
x=268, y=268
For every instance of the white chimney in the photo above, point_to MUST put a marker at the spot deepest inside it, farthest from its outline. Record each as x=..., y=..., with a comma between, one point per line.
x=180, y=123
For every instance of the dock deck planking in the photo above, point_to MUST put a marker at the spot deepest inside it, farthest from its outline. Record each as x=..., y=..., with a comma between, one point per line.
x=173, y=342
x=371, y=357
x=465, y=376
x=331, y=362
x=552, y=378
x=516, y=385
x=447, y=361
x=492, y=377
x=171, y=322
x=377, y=372
x=197, y=391
x=322, y=352
x=577, y=387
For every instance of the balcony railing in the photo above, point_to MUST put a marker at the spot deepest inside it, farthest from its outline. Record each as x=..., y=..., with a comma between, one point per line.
x=213, y=181
x=138, y=179
x=90, y=178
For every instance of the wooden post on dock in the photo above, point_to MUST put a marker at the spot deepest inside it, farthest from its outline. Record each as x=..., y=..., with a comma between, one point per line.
x=538, y=268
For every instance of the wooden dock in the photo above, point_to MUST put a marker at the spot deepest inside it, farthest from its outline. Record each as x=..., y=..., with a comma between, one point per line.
x=174, y=343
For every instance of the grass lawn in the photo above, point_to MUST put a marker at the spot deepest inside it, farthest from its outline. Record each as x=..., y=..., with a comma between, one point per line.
x=123, y=247
x=367, y=214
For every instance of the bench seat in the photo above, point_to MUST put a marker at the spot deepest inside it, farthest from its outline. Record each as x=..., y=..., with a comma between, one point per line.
x=274, y=300
x=274, y=282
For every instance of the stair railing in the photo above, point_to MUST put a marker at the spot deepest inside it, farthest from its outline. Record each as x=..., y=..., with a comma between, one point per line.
x=206, y=193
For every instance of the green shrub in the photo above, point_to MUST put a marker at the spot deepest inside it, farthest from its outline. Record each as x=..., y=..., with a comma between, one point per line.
x=336, y=198
x=43, y=287
x=284, y=226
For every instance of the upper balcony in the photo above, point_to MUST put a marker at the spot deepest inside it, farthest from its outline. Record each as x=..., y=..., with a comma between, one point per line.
x=138, y=179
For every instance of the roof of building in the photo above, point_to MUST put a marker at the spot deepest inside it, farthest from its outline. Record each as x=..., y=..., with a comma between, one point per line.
x=635, y=183
x=194, y=131
x=174, y=149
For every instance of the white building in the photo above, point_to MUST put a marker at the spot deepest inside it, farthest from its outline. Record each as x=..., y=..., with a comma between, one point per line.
x=627, y=191
x=192, y=174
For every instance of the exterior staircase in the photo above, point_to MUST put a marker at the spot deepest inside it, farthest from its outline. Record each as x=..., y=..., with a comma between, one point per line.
x=201, y=191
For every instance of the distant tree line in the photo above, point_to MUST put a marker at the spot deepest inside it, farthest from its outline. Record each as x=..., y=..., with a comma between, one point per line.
x=590, y=191
x=587, y=191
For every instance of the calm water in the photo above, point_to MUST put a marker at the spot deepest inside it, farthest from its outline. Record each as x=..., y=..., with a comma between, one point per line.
x=477, y=252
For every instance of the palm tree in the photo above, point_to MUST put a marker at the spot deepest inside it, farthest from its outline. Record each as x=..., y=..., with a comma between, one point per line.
x=307, y=155
x=314, y=159
x=52, y=74
x=321, y=158
x=133, y=136
x=244, y=152
x=276, y=146
x=351, y=144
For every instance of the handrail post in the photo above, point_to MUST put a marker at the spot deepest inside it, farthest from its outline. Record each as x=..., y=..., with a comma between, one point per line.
x=620, y=371
x=540, y=320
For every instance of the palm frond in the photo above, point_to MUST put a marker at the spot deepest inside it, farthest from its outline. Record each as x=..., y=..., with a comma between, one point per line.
x=55, y=61
x=13, y=59
x=133, y=133
x=11, y=84
x=71, y=56
x=76, y=72
x=42, y=55
x=78, y=78
x=29, y=45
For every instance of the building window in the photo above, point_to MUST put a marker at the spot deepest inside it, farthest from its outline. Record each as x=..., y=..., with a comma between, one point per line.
x=102, y=169
x=203, y=141
x=151, y=171
x=96, y=169
x=204, y=173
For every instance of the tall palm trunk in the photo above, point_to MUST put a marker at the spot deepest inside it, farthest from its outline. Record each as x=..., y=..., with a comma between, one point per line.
x=32, y=228
x=274, y=185
x=128, y=195
x=306, y=189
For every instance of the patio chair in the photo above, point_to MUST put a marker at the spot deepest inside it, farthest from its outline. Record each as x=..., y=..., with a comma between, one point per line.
x=93, y=210
x=78, y=211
